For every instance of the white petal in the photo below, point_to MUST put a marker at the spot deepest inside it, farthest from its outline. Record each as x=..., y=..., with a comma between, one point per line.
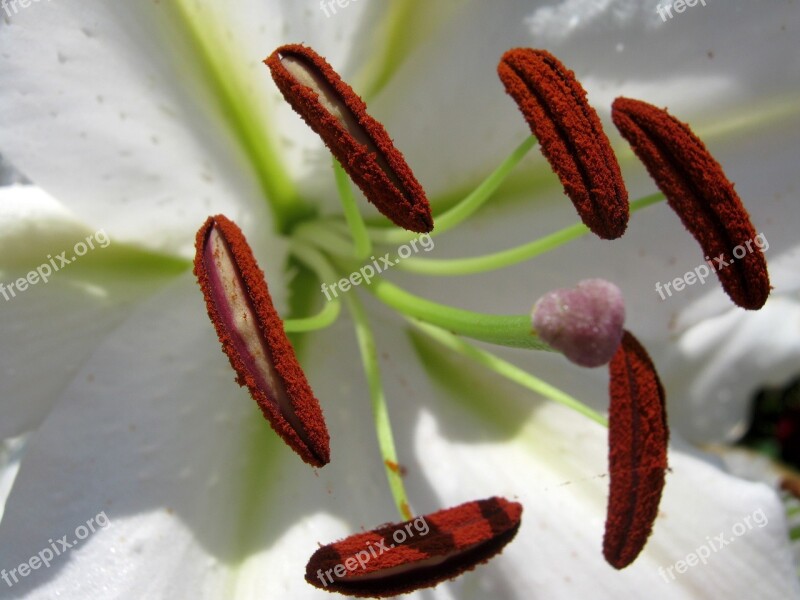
x=100, y=108
x=757, y=156
x=740, y=353
x=54, y=323
x=556, y=470
x=446, y=108
x=449, y=83
x=480, y=436
x=704, y=61
x=108, y=109
x=203, y=499
x=202, y=496
x=554, y=462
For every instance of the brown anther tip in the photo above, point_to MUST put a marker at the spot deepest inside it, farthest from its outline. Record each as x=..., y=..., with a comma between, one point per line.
x=699, y=192
x=360, y=143
x=252, y=335
x=571, y=137
x=638, y=436
x=418, y=553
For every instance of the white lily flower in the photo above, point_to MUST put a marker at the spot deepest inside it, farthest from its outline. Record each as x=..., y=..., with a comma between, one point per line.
x=144, y=118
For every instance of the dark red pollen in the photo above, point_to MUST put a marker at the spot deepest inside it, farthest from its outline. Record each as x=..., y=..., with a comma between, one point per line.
x=421, y=552
x=283, y=393
x=571, y=137
x=638, y=436
x=699, y=192
x=361, y=144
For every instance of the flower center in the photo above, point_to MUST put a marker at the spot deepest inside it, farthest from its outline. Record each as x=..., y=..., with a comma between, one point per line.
x=584, y=324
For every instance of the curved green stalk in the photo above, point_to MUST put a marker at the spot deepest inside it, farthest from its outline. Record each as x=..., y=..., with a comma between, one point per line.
x=330, y=312
x=512, y=256
x=464, y=209
x=363, y=245
x=496, y=260
x=507, y=370
x=324, y=318
x=383, y=426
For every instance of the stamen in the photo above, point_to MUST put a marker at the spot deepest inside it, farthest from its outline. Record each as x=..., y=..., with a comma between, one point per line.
x=360, y=143
x=585, y=322
x=422, y=552
x=572, y=139
x=637, y=438
x=698, y=190
x=252, y=335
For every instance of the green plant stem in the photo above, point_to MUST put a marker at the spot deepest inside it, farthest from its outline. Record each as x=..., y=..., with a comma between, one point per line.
x=317, y=262
x=218, y=63
x=507, y=370
x=464, y=209
x=324, y=318
x=358, y=230
x=330, y=312
x=514, y=331
x=512, y=256
x=326, y=238
x=383, y=426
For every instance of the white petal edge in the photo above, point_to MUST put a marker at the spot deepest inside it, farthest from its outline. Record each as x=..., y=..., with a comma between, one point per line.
x=741, y=353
